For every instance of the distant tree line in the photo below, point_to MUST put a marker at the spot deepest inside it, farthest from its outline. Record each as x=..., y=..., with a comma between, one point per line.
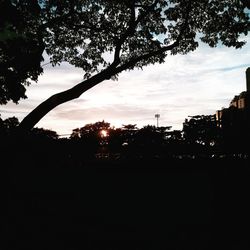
x=200, y=137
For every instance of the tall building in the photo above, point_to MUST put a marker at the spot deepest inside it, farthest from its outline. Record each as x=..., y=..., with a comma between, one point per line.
x=248, y=78
x=235, y=120
x=241, y=101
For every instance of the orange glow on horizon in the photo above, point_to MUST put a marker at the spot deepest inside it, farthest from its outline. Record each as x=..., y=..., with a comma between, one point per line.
x=104, y=133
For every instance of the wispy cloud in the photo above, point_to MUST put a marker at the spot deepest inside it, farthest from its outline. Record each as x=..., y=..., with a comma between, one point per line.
x=198, y=83
x=234, y=67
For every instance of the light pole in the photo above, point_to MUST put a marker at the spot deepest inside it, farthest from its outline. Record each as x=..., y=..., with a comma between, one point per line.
x=157, y=116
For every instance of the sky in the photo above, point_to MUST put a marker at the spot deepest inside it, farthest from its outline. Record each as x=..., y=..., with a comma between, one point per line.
x=198, y=83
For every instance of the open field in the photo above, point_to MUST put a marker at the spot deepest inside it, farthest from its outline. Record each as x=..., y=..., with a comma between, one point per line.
x=165, y=205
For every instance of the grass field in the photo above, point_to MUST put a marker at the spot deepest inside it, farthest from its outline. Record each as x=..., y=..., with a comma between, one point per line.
x=187, y=204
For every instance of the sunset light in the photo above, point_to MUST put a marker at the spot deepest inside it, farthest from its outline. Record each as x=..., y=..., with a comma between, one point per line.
x=125, y=124
x=104, y=133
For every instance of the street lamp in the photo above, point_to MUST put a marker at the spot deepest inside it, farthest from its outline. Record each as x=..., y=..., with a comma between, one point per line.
x=157, y=116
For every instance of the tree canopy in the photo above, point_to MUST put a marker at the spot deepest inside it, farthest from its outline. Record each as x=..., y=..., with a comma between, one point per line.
x=21, y=48
x=106, y=37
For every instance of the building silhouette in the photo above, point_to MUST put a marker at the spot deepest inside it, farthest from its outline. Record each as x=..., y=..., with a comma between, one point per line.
x=237, y=114
x=234, y=121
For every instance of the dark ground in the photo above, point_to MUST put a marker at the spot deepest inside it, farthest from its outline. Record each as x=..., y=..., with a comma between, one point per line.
x=186, y=204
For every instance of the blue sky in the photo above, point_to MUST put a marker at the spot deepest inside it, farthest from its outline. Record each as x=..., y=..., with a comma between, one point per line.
x=198, y=83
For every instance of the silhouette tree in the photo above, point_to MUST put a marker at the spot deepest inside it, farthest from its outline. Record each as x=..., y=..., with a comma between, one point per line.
x=235, y=129
x=89, y=136
x=38, y=140
x=44, y=133
x=202, y=130
x=128, y=133
x=150, y=140
x=90, y=129
x=21, y=48
x=135, y=33
x=7, y=126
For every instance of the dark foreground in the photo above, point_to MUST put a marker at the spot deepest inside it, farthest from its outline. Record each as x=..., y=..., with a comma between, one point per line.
x=185, y=204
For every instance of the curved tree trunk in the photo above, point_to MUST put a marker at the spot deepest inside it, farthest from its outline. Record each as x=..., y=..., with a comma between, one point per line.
x=45, y=107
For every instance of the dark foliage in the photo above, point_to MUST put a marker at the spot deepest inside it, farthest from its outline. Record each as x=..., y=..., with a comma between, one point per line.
x=134, y=33
x=21, y=48
x=59, y=197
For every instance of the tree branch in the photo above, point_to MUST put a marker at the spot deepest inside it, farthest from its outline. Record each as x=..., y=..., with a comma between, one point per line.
x=135, y=60
x=40, y=111
x=64, y=18
x=147, y=9
x=131, y=29
x=55, y=100
x=150, y=54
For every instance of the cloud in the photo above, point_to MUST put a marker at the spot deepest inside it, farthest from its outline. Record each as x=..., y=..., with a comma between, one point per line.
x=198, y=83
x=233, y=67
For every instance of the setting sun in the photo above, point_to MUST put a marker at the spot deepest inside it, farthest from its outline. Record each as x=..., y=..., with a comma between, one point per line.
x=104, y=133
